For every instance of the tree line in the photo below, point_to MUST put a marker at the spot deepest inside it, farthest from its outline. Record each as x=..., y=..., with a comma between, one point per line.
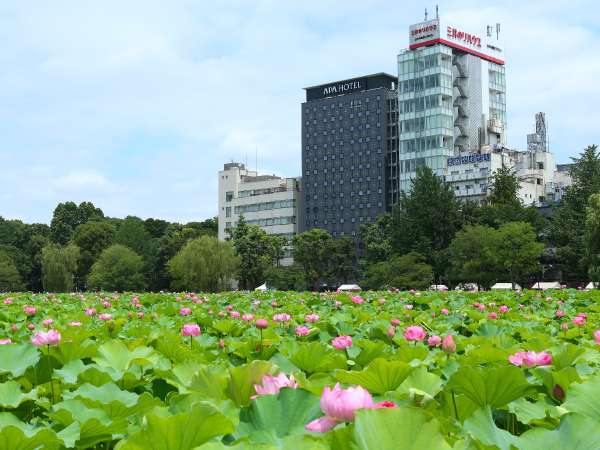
x=429, y=237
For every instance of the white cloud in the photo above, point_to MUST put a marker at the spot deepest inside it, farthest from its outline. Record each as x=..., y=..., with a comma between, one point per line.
x=83, y=180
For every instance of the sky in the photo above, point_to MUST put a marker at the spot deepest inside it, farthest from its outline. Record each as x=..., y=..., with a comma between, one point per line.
x=136, y=104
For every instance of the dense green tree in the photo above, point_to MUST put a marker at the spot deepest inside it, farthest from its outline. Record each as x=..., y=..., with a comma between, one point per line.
x=404, y=272
x=285, y=278
x=91, y=237
x=204, y=264
x=132, y=233
x=59, y=265
x=504, y=187
x=375, y=237
x=156, y=227
x=10, y=278
x=279, y=245
x=313, y=252
x=426, y=219
x=517, y=251
x=117, y=269
x=254, y=248
x=68, y=216
x=343, y=260
x=568, y=225
x=592, y=236
x=472, y=256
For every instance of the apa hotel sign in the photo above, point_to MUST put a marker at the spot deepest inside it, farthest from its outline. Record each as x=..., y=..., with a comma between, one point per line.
x=343, y=88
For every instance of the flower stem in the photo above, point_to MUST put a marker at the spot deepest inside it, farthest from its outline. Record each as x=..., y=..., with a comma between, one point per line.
x=50, y=371
x=454, y=403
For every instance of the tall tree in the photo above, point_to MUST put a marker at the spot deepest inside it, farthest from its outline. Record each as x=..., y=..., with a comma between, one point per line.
x=472, y=256
x=10, y=279
x=68, y=216
x=312, y=251
x=204, y=264
x=592, y=236
x=504, y=188
x=253, y=246
x=132, y=233
x=91, y=237
x=343, y=260
x=58, y=267
x=117, y=269
x=375, y=237
x=404, y=272
x=426, y=219
x=568, y=226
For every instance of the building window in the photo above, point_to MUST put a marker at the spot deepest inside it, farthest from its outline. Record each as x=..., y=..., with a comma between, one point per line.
x=228, y=196
x=228, y=211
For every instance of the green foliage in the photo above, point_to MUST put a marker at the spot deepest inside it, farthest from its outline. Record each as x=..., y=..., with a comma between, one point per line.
x=203, y=264
x=255, y=252
x=517, y=250
x=472, y=256
x=10, y=278
x=117, y=269
x=592, y=226
x=504, y=187
x=59, y=265
x=68, y=216
x=409, y=271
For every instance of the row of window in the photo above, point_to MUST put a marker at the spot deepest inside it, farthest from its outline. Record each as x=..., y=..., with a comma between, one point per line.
x=265, y=206
x=284, y=220
x=422, y=103
x=426, y=82
x=426, y=123
x=353, y=102
x=422, y=144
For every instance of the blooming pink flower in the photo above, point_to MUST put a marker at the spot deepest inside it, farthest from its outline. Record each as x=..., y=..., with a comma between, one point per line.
x=29, y=310
x=14, y=327
x=311, y=318
x=5, y=341
x=559, y=313
x=409, y=307
x=247, y=317
x=90, y=311
x=445, y=312
x=395, y=322
x=337, y=304
x=391, y=331
x=597, y=336
x=357, y=299
x=190, y=329
x=106, y=304
x=414, y=333
x=270, y=385
x=302, y=330
x=434, y=341
x=105, y=316
x=185, y=311
x=342, y=342
x=492, y=315
x=481, y=307
x=47, y=322
x=282, y=317
x=261, y=323
x=579, y=321
x=50, y=337
x=564, y=326
x=74, y=324
x=340, y=405
x=531, y=359
x=234, y=314
x=503, y=309
x=448, y=344
x=8, y=301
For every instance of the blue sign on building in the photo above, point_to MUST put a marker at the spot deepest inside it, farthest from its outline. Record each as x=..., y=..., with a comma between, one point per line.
x=468, y=159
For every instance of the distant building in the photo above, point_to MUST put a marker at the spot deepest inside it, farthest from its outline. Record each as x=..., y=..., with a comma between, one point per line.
x=269, y=201
x=349, y=150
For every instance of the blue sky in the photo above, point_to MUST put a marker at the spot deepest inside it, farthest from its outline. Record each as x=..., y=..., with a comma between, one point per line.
x=135, y=105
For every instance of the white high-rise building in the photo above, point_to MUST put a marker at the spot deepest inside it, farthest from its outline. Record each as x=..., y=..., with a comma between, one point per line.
x=269, y=201
x=451, y=96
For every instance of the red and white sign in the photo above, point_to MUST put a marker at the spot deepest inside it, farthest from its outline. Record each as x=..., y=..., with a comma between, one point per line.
x=434, y=32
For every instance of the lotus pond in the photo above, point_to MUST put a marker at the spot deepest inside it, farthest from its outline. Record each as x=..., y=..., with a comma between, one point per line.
x=277, y=370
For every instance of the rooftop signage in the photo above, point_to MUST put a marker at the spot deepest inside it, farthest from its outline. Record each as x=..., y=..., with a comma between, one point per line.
x=436, y=32
x=468, y=159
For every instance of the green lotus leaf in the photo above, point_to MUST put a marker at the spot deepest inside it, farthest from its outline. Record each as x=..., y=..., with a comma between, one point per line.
x=584, y=398
x=116, y=355
x=485, y=386
x=17, y=435
x=180, y=431
x=420, y=382
x=243, y=378
x=379, y=377
x=528, y=412
x=17, y=358
x=11, y=395
x=403, y=428
x=317, y=357
x=282, y=414
x=576, y=432
x=482, y=428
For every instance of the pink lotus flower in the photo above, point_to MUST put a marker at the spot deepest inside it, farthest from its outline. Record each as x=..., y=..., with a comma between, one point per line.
x=190, y=329
x=140, y=315
x=185, y=311
x=229, y=308
x=14, y=327
x=311, y=318
x=270, y=385
x=395, y=322
x=339, y=405
x=559, y=313
x=481, y=307
x=5, y=341
x=579, y=321
x=221, y=343
x=302, y=330
x=47, y=322
x=261, y=323
x=448, y=344
x=503, y=309
x=531, y=359
x=597, y=336
x=282, y=317
x=30, y=326
x=235, y=314
x=90, y=311
x=434, y=341
x=414, y=333
x=391, y=331
x=492, y=315
x=342, y=342
x=337, y=304
x=445, y=312
x=106, y=304
x=221, y=314
x=105, y=316
x=247, y=317
x=8, y=301
x=50, y=337
x=564, y=326
x=29, y=310
x=357, y=299
x=409, y=307
x=74, y=324
x=274, y=304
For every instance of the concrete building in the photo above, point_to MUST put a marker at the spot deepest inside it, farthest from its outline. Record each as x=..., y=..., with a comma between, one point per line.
x=349, y=147
x=269, y=201
x=451, y=96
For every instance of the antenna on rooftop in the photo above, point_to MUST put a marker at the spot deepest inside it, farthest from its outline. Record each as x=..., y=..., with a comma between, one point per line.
x=425, y=14
x=497, y=30
x=437, y=12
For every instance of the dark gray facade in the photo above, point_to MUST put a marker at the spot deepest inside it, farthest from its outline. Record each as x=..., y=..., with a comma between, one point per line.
x=349, y=147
